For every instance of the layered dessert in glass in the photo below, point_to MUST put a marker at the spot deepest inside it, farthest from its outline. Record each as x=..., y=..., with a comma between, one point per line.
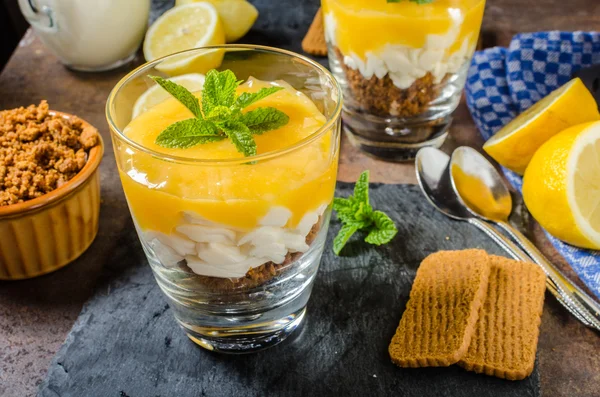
x=234, y=241
x=402, y=66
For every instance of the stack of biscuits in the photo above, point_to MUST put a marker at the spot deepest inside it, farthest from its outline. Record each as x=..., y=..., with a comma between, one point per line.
x=476, y=310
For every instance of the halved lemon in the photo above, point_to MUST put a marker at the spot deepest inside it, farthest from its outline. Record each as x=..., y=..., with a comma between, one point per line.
x=182, y=28
x=237, y=16
x=514, y=145
x=561, y=186
x=156, y=94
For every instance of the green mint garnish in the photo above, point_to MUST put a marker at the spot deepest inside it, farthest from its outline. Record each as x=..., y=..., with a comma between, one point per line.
x=220, y=116
x=356, y=214
x=414, y=1
x=187, y=133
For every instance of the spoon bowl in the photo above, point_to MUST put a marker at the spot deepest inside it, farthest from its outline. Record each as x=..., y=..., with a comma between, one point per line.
x=479, y=186
x=433, y=177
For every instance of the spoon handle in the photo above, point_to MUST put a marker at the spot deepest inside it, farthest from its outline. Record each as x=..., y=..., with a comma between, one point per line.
x=518, y=254
x=585, y=304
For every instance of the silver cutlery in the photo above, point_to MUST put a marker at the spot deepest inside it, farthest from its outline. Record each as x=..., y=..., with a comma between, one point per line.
x=486, y=195
x=432, y=169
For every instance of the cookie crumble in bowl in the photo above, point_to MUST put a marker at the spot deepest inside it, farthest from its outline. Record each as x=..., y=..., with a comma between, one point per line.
x=49, y=189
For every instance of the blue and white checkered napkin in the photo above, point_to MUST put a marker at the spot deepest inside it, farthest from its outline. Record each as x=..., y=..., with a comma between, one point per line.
x=503, y=82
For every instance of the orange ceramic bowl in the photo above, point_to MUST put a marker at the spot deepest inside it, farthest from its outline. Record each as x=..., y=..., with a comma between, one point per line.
x=42, y=235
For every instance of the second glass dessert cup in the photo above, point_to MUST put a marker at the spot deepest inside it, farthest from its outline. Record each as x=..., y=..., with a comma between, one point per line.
x=402, y=67
x=235, y=243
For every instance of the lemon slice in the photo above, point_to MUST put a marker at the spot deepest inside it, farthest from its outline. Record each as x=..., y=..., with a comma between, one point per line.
x=561, y=186
x=156, y=94
x=237, y=16
x=183, y=28
x=514, y=145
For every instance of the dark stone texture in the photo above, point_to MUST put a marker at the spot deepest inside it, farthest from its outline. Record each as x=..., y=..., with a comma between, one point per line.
x=126, y=342
x=37, y=314
x=283, y=26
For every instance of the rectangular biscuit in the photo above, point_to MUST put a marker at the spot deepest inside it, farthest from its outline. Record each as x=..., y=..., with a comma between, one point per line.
x=440, y=316
x=506, y=334
x=314, y=41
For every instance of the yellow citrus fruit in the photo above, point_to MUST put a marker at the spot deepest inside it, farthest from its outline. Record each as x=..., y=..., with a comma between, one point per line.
x=183, y=28
x=237, y=16
x=561, y=186
x=156, y=94
x=514, y=145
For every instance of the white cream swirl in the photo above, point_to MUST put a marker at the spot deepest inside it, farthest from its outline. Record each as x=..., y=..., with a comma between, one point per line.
x=216, y=250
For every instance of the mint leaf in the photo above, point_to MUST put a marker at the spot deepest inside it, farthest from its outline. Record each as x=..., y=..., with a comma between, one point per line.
x=187, y=133
x=219, y=89
x=261, y=120
x=343, y=236
x=361, y=188
x=247, y=99
x=241, y=137
x=220, y=115
x=181, y=94
x=345, y=209
x=342, y=204
x=356, y=214
x=347, y=217
x=363, y=213
x=384, y=230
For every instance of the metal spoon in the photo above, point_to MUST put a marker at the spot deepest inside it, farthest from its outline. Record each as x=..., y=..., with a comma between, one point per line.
x=433, y=175
x=481, y=189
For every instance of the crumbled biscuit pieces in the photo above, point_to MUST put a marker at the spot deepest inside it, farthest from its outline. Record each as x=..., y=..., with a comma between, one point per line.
x=379, y=96
x=40, y=151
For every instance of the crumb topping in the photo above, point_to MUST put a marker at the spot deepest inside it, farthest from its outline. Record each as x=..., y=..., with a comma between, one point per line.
x=39, y=152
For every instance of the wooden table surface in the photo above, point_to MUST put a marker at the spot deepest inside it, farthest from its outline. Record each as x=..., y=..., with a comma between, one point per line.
x=36, y=315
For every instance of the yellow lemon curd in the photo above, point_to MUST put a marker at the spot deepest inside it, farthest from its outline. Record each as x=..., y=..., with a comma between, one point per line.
x=239, y=194
x=368, y=25
x=478, y=196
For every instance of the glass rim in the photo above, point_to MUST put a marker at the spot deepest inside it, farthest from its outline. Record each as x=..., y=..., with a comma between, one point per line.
x=329, y=123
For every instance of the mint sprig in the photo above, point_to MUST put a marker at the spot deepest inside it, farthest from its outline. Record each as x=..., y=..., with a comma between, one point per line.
x=356, y=214
x=220, y=116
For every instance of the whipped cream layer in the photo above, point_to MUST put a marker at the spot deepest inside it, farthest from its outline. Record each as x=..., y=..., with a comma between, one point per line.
x=405, y=64
x=217, y=250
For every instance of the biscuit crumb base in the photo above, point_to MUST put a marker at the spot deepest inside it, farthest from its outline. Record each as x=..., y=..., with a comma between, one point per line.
x=381, y=97
x=39, y=151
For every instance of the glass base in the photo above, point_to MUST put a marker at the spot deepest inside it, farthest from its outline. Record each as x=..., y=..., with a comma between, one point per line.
x=394, y=141
x=249, y=339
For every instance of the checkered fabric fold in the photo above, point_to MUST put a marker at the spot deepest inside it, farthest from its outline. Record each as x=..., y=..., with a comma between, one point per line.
x=503, y=82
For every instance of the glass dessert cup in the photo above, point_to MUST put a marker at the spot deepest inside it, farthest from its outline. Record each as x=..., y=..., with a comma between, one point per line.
x=402, y=67
x=234, y=242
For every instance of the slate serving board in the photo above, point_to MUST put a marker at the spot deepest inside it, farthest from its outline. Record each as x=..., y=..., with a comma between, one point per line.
x=126, y=342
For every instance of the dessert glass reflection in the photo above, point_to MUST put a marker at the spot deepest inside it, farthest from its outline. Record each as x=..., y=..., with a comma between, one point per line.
x=234, y=242
x=402, y=67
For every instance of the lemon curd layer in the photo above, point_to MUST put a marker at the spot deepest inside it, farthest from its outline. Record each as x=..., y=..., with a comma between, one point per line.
x=160, y=193
x=405, y=39
x=368, y=25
